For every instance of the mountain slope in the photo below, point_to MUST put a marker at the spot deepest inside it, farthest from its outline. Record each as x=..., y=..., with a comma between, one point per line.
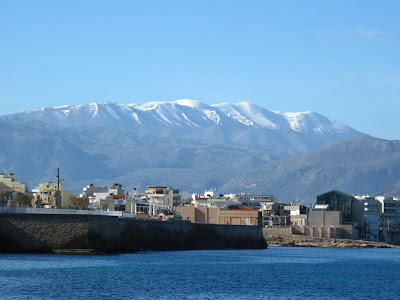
x=102, y=156
x=34, y=151
x=361, y=165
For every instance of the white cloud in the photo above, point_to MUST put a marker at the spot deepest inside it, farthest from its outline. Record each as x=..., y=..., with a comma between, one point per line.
x=371, y=34
x=360, y=33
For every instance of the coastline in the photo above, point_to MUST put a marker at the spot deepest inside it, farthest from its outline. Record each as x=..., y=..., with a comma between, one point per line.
x=304, y=241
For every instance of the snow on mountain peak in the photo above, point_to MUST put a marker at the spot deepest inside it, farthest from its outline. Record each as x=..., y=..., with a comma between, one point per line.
x=153, y=105
x=146, y=106
x=186, y=113
x=94, y=108
x=59, y=107
x=188, y=103
x=247, y=114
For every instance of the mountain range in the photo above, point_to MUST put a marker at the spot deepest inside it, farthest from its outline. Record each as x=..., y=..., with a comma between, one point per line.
x=193, y=146
x=241, y=123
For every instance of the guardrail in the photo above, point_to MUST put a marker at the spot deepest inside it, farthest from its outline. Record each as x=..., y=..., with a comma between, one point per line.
x=55, y=211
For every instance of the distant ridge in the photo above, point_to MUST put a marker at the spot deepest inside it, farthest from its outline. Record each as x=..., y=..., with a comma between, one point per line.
x=365, y=165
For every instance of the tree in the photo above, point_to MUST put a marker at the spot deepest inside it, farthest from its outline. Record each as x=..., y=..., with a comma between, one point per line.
x=79, y=202
x=5, y=194
x=23, y=199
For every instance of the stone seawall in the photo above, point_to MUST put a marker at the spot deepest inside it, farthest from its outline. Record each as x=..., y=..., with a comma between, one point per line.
x=29, y=233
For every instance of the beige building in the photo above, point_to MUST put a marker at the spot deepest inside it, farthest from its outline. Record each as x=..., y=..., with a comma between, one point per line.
x=46, y=196
x=235, y=215
x=161, y=195
x=10, y=181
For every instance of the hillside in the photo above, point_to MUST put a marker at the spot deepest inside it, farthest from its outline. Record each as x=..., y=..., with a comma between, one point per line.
x=34, y=151
x=362, y=165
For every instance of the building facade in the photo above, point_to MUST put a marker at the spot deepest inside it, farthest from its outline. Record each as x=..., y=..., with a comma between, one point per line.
x=366, y=215
x=298, y=214
x=162, y=195
x=52, y=195
x=12, y=183
x=389, y=210
x=338, y=201
x=274, y=214
x=235, y=215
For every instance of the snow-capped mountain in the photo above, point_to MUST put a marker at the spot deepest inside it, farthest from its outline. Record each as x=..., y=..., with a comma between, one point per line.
x=238, y=123
x=193, y=146
x=183, y=113
x=102, y=156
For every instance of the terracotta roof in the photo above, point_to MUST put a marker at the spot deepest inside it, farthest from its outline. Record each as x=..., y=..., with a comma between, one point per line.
x=202, y=198
x=241, y=207
x=118, y=196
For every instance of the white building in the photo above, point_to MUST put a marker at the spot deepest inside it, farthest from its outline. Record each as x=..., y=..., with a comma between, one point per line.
x=298, y=214
x=91, y=189
x=209, y=202
x=389, y=209
x=212, y=199
x=94, y=201
x=252, y=201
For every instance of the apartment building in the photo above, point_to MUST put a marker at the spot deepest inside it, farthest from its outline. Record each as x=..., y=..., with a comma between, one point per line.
x=52, y=195
x=162, y=195
x=9, y=180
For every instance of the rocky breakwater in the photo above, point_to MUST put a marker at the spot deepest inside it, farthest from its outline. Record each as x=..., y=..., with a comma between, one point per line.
x=284, y=237
x=29, y=233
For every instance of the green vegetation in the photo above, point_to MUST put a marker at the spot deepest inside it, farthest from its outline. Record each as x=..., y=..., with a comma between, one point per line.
x=23, y=199
x=77, y=202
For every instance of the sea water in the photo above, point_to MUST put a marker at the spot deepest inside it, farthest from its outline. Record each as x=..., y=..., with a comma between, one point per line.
x=274, y=273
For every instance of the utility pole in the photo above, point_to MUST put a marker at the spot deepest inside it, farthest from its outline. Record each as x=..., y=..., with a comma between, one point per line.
x=58, y=200
x=58, y=179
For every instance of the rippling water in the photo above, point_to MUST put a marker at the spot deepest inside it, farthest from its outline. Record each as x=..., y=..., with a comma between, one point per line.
x=275, y=273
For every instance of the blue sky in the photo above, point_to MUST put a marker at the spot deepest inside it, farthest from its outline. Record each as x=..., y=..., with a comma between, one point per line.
x=338, y=58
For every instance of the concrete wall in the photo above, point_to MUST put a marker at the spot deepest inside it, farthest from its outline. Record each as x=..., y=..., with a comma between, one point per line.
x=345, y=231
x=324, y=218
x=349, y=231
x=44, y=233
